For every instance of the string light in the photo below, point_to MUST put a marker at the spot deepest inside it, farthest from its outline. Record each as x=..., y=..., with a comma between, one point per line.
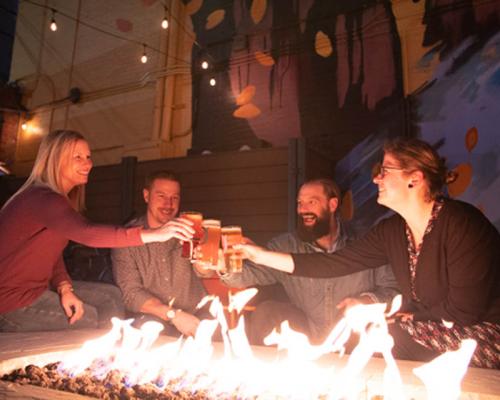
x=25, y=125
x=53, y=25
x=104, y=31
x=144, y=58
x=164, y=23
x=205, y=64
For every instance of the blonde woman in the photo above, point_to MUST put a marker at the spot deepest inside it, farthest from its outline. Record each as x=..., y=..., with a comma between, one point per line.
x=36, y=292
x=444, y=253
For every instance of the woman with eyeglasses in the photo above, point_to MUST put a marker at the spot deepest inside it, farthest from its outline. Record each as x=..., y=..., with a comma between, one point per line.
x=445, y=255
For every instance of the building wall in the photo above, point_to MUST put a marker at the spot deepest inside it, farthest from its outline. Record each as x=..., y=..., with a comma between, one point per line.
x=345, y=75
x=126, y=107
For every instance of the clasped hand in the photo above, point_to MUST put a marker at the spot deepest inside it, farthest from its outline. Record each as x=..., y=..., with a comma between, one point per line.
x=178, y=228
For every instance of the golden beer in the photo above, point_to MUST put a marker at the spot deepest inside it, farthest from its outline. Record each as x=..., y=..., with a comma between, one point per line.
x=209, y=247
x=189, y=246
x=232, y=235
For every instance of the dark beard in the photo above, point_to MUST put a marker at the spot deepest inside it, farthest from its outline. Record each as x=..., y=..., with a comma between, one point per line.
x=312, y=233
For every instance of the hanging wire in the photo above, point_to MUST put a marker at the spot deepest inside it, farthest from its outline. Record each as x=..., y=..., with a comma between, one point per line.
x=144, y=58
x=53, y=25
x=164, y=23
x=108, y=33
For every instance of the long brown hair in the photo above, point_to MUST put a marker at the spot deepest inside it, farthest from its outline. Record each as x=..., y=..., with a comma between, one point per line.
x=55, y=148
x=417, y=155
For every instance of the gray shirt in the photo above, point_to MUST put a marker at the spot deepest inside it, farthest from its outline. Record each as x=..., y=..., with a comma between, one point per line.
x=156, y=270
x=317, y=298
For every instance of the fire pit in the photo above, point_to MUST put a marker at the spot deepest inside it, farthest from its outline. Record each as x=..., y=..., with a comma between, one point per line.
x=130, y=363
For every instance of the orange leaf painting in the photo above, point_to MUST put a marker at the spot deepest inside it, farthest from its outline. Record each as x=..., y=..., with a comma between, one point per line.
x=247, y=111
x=246, y=95
x=347, y=207
x=193, y=6
x=264, y=59
x=323, y=45
x=215, y=18
x=258, y=10
x=471, y=138
x=124, y=25
x=463, y=180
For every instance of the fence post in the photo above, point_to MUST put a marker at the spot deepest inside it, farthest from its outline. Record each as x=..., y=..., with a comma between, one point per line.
x=127, y=185
x=296, y=176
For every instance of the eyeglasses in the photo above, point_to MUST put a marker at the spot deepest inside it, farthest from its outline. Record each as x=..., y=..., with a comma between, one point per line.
x=382, y=170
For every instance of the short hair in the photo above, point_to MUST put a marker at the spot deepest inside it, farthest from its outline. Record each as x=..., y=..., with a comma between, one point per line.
x=162, y=174
x=416, y=155
x=331, y=189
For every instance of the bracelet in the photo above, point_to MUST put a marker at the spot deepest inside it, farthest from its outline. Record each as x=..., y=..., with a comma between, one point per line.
x=61, y=288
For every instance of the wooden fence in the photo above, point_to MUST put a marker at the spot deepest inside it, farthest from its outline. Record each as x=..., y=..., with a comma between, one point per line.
x=255, y=189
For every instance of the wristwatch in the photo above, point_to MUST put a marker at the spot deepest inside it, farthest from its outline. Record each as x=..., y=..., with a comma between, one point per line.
x=171, y=313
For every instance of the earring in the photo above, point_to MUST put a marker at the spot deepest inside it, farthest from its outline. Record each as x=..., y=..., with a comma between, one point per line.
x=410, y=185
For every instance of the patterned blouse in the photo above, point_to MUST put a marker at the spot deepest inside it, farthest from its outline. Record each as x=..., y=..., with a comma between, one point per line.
x=435, y=335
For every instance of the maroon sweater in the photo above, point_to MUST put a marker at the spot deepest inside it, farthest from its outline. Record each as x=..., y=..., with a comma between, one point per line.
x=34, y=230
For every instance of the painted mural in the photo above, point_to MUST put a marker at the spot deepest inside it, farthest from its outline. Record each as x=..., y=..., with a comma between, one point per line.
x=347, y=75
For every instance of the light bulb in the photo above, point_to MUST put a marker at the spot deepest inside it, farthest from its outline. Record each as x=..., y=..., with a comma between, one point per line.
x=144, y=58
x=213, y=82
x=204, y=65
x=164, y=23
x=53, y=25
x=24, y=126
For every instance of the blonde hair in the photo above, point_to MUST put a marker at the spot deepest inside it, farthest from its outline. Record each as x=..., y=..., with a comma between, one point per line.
x=55, y=148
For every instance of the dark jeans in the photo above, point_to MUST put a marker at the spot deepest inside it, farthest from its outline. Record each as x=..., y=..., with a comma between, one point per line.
x=269, y=314
x=405, y=348
x=101, y=302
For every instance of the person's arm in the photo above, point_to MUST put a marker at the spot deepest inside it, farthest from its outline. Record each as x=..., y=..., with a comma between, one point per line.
x=128, y=278
x=138, y=299
x=273, y=259
x=185, y=322
x=60, y=275
x=385, y=286
x=472, y=257
x=177, y=228
x=251, y=274
x=60, y=217
x=358, y=255
x=61, y=281
x=384, y=290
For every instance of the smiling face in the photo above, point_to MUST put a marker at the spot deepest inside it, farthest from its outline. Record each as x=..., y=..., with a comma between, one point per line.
x=315, y=212
x=392, y=182
x=163, y=199
x=76, y=166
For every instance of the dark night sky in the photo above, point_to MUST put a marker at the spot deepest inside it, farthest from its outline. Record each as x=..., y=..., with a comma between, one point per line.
x=8, y=15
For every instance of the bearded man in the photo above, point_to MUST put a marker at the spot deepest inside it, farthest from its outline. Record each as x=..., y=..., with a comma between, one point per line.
x=315, y=305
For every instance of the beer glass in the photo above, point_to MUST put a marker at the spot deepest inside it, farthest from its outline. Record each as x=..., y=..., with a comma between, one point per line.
x=189, y=246
x=232, y=235
x=209, y=247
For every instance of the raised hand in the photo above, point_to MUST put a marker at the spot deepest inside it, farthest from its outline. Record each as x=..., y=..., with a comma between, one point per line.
x=178, y=228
